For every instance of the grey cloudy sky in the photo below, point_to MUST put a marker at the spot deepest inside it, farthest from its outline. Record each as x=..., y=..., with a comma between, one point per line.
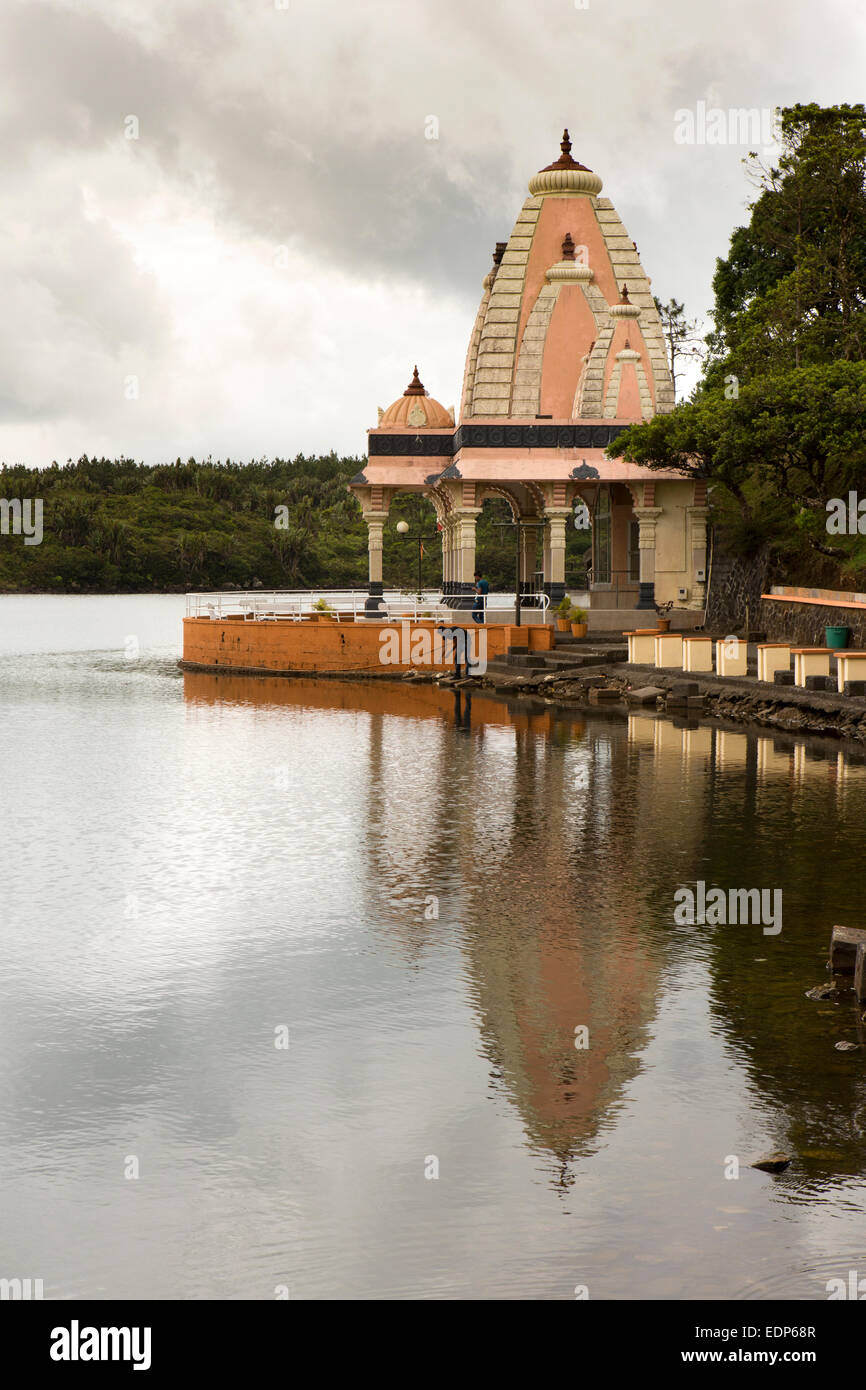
x=281, y=243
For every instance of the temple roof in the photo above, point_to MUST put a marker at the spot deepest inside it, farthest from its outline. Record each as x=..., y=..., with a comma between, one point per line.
x=557, y=309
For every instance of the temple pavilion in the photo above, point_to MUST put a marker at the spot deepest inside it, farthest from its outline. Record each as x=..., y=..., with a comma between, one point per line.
x=566, y=351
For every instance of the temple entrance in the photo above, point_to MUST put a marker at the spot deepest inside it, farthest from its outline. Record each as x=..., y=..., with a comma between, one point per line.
x=614, y=570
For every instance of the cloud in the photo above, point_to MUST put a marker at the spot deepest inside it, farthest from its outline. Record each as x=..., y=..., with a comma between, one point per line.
x=306, y=127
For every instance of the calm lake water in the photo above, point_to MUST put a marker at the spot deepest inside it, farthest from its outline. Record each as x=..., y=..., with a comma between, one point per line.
x=425, y=897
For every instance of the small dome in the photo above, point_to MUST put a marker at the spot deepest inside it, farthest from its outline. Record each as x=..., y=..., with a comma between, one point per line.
x=625, y=309
x=570, y=268
x=565, y=176
x=416, y=410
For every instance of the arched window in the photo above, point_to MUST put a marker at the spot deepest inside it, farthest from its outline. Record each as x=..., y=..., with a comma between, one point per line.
x=601, y=538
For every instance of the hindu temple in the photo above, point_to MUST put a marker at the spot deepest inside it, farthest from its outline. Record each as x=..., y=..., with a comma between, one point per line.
x=566, y=351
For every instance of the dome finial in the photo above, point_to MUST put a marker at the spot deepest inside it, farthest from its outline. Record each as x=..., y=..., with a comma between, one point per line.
x=568, y=176
x=565, y=160
x=415, y=387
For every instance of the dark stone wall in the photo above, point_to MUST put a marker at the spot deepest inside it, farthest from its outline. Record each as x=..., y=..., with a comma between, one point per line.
x=735, y=584
x=803, y=624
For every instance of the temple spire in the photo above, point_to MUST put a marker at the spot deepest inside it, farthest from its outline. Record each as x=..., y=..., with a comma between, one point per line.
x=415, y=388
x=565, y=160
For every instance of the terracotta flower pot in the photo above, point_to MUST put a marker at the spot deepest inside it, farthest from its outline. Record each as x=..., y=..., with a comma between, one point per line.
x=578, y=629
x=663, y=624
x=562, y=624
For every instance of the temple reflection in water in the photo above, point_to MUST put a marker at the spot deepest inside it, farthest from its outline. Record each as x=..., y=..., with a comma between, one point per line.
x=549, y=843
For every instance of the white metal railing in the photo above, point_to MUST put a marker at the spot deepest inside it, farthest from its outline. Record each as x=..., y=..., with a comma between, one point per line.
x=346, y=605
x=538, y=600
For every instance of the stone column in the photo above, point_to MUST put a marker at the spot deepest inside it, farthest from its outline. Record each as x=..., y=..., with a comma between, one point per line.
x=464, y=556
x=646, y=518
x=443, y=545
x=448, y=556
x=698, y=546
x=375, y=526
x=557, y=519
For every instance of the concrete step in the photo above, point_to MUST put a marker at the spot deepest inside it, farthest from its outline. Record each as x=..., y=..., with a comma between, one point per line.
x=567, y=663
x=589, y=656
x=500, y=667
x=522, y=659
x=597, y=639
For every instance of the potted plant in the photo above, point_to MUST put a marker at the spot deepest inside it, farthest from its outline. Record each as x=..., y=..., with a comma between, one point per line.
x=322, y=611
x=563, y=615
x=663, y=620
x=577, y=617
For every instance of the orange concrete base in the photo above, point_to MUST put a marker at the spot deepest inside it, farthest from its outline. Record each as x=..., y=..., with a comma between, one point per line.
x=372, y=648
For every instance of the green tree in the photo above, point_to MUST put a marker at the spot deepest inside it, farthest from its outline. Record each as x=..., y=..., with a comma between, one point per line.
x=792, y=290
x=796, y=437
x=777, y=423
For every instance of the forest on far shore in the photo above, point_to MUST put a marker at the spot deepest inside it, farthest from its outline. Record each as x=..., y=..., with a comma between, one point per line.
x=117, y=526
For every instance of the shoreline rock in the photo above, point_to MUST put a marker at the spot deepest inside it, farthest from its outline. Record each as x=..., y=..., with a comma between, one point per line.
x=774, y=1162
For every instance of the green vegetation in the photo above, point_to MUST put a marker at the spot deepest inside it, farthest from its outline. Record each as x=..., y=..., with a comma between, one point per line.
x=777, y=423
x=121, y=526
x=116, y=526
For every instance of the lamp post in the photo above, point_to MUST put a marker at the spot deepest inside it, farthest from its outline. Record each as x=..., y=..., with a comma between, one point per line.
x=403, y=529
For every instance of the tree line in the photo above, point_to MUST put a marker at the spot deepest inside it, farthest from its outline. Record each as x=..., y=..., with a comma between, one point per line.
x=118, y=526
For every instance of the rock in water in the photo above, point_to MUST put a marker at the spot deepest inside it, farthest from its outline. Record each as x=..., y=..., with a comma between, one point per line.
x=843, y=948
x=646, y=695
x=821, y=992
x=774, y=1162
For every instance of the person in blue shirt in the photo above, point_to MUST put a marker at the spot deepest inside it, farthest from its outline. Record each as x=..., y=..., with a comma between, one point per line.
x=482, y=589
